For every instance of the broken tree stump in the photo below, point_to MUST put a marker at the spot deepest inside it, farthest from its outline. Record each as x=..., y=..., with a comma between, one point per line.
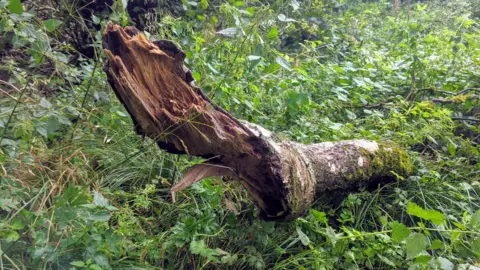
x=282, y=177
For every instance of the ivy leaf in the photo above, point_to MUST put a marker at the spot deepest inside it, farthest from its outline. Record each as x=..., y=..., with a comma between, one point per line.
x=399, y=231
x=283, y=63
x=416, y=243
x=51, y=24
x=15, y=7
x=432, y=215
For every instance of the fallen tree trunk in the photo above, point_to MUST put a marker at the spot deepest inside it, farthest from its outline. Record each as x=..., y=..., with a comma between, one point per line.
x=282, y=177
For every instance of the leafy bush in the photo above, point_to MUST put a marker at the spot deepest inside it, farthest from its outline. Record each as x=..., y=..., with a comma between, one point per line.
x=79, y=190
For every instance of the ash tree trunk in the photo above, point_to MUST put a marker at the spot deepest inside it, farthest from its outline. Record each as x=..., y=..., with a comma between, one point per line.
x=282, y=177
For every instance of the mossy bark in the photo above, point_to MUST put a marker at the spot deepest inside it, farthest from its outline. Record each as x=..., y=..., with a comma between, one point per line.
x=282, y=177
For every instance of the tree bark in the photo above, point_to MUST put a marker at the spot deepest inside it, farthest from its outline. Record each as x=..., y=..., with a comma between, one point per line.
x=282, y=177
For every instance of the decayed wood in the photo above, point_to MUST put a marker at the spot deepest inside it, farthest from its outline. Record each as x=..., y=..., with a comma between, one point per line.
x=282, y=177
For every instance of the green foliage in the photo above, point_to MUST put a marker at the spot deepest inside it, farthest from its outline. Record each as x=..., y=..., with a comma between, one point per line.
x=80, y=190
x=435, y=217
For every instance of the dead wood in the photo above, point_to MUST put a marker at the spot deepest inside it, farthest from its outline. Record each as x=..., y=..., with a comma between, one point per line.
x=282, y=177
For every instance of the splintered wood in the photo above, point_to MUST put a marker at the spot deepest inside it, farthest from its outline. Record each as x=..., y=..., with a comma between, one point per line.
x=282, y=177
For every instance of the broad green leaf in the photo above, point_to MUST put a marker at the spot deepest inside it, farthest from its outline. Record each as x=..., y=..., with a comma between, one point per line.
x=38, y=50
x=476, y=245
x=436, y=244
x=99, y=200
x=451, y=148
x=445, y=264
x=273, y=33
x=17, y=224
x=197, y=76
x=52, y=125
x=399, y=231
x=45, y=103
x=303, y=237
x=283, y=18
x=204, y=4
x=95, y=19
x=416, y=243
x=100, y=217
x=331, y=235
x=253, y=57
x=10, y=235
x=423, y=259
x=78, y=263
x=51, y=24
x=95, y=267
x=319, y=216
x=386, y=260
x=15, y=7
x=434, y=216
x=199, y=247
x=475, y=220
x=230, y=32
x=283, y=63
x=229, y=259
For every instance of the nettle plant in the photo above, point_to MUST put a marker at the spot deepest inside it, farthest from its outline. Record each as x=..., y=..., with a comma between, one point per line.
x=78, y=189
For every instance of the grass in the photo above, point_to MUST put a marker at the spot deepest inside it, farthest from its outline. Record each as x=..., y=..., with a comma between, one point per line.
x=79, y=189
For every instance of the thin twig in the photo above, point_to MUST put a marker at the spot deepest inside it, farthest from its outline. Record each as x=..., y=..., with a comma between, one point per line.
x=444, y=100
x=466, y=119
x=6, y=93
x=467, y=90
x=11, y=85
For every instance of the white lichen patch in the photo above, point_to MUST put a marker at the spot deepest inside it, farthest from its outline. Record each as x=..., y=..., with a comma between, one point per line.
x=257, y=130
x=360, y=162
x=333, y=168
x=370, y=146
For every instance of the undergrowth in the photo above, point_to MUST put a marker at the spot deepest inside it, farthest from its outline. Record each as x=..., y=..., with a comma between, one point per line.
x=80, y=190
